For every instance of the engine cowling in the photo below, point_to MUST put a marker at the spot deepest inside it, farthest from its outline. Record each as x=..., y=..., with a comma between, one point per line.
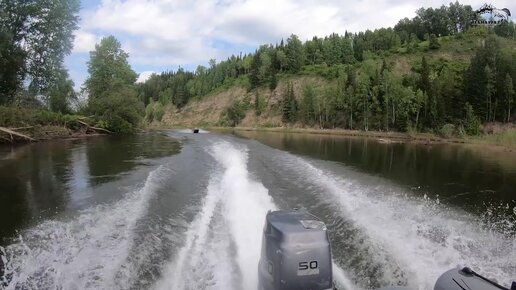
x=296, y=252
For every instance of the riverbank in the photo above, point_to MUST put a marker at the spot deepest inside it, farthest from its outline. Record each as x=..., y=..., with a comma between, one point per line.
x=501, y=140
x=43, y=133
x=505, y=139
x=22, y=125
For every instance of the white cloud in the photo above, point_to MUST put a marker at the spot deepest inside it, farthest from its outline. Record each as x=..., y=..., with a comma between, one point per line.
x=144, y=76
x=84, y=41
x=168, y=33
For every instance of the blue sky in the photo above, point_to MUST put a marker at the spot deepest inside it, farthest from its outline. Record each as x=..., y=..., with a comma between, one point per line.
x=162, y=35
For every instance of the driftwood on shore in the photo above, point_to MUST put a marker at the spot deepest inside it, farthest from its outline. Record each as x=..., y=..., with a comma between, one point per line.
x=13, y=134
x=88, y=126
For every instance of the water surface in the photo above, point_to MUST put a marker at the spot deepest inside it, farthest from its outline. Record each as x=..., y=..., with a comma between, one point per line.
x=175, y=210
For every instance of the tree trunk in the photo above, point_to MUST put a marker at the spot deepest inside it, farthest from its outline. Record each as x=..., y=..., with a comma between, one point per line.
x=417, y=118
x=13, y=133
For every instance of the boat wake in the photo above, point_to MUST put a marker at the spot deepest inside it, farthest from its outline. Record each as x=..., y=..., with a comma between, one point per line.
x=223, y=244
x=423, y=237
x=88, y=252
x=229, y=225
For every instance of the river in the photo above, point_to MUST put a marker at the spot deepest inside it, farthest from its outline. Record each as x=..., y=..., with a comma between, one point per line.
x=175, y=210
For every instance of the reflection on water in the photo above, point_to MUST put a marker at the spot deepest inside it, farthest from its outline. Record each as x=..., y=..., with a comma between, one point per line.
x=471, y=177
x=40, y=180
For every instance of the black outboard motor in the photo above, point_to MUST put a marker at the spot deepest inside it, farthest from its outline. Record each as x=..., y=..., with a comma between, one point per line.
x=296, y=252
x=465, y=278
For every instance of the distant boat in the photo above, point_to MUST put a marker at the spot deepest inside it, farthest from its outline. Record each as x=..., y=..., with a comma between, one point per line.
x=195, y=130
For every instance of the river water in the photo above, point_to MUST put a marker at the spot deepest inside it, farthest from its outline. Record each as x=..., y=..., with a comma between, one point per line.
x=174, y=210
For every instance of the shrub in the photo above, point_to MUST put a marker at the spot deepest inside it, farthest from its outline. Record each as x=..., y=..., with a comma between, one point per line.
x=121, y=110
x=447, y=131
x=471, y=123
x=433, y=42
x=259, y=104
x=232, y=115
x=149, y=112
x=11, y=116
x=159, y=111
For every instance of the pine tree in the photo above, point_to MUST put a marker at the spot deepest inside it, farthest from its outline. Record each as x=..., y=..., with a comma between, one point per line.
x=489, y=92
x=254, y=71
x=307, y=108
x=295, y=53
x=289, y=105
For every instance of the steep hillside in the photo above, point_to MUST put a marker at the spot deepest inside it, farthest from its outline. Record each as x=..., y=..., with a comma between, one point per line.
x=209, y=110
x=455, y=53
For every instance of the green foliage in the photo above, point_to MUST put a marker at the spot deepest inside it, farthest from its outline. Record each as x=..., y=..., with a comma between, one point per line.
x=154, y=111
x=108, y=68
x=417, y=76
x=11, y=66
x=434, y=42
x=233, y=114
x=447, y=131
x=120, y=110
x=112, y=95
x=61, y=93
x=323, y=70
x=13, y=116
x=289, y=105
x=471, y=121
x=508, y=93
x=446, y=20
x=35, y=36
x=506, y=29
x=259, y=104
x=295, y=54
x=307, y=106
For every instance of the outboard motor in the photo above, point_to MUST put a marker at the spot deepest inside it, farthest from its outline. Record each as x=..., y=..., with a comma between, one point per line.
x=465, y=278
x=296, y=252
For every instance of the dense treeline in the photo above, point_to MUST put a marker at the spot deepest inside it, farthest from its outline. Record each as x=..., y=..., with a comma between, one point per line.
x=35, y=36
x=364, y=91
x=364, y=88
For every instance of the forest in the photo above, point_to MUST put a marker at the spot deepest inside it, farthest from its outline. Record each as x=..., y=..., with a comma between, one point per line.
x=364, y=89
x=388, y=79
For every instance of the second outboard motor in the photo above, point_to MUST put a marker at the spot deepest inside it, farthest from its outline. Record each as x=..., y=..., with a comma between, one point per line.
x=465, y=278
x=296, y=252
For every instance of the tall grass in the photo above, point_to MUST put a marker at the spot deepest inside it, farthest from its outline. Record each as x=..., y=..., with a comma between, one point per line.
x=506, y=138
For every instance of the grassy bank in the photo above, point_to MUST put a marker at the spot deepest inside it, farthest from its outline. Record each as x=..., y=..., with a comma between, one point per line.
x=507, y=138
x=503, y=139
x=384, y=136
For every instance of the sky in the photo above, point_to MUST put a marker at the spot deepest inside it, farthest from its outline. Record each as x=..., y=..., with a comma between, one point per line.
x=162, y=35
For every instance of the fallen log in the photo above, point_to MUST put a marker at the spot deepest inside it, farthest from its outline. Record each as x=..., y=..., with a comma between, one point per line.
x=93, y=128
x=13, y=133
x=21, y=128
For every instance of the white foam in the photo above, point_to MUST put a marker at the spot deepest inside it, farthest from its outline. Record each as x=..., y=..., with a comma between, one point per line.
x=342, y=281
x=190, y=131
x=230, y=222
x=87, y=252
x=246, y=203
x=191, y=269
x=425, y=237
